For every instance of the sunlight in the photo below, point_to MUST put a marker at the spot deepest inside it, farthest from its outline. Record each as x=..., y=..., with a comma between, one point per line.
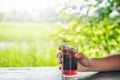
x=42, y=9
x=26, y=5
x=35, y=6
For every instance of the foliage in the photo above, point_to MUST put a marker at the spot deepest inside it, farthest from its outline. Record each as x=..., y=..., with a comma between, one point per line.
x=95, y=40
x=110, y=6
x=98, y=35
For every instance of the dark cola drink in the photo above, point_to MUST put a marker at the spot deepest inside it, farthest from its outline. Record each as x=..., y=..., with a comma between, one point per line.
x=69, y=64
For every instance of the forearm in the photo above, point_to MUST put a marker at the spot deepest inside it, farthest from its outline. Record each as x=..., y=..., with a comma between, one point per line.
x=110, y=63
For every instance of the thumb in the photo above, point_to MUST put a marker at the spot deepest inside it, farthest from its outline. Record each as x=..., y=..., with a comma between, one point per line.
x=79, y=55
x=82, y=59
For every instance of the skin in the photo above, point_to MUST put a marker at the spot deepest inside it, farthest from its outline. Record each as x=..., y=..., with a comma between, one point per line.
x=109, y=63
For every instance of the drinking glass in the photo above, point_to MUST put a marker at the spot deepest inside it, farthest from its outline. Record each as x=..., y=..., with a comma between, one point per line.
x=69, y=62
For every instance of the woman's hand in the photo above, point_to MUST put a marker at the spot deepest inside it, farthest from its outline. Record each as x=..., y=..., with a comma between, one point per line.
x=83, y=63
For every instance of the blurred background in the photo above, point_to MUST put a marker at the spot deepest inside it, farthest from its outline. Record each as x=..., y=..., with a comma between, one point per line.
x=32, y=30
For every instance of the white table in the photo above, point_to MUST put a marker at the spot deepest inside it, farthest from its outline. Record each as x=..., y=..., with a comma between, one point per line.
x=51, y=73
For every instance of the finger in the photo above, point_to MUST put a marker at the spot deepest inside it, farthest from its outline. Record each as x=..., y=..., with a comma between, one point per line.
x=60, y=68
x=60, y=61
x=79, y=55
x=59, y=55
x=82, y=59
x=72, y=52
x=63, y=48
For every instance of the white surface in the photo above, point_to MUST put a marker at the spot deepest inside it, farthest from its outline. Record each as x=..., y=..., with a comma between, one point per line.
x=35, y=73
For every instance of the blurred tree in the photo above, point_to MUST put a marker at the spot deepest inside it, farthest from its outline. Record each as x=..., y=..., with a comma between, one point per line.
x=98, y=34
x=110, y=6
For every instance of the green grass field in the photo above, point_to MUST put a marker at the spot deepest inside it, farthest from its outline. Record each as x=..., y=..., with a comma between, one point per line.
x=27, y=44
